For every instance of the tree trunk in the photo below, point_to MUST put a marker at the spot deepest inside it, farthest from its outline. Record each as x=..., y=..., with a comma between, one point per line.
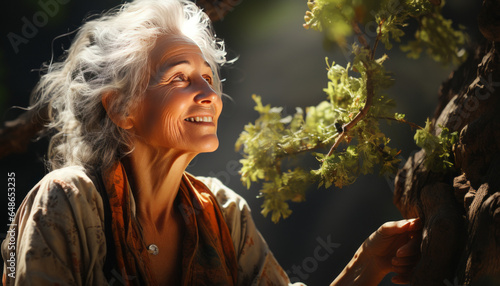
x=461, y=212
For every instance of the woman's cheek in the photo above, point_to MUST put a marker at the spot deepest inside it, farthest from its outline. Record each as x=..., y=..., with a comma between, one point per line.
x=171, y=132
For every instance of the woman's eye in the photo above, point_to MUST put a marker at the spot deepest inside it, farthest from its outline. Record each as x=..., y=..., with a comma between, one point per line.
x=179, y=78
x=208, y=79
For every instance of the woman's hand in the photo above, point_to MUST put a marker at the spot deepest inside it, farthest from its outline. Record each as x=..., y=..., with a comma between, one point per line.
x=394, y=247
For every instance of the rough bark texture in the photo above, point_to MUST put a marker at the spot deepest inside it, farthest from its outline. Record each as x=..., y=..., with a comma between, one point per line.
x=15, y=135
x=461, y=211
x=217, y=9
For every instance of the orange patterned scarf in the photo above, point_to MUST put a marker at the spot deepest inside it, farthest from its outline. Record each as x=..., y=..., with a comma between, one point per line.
x=208, y=253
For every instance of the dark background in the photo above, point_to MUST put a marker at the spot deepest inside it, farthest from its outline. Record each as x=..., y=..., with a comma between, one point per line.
x=282, y=62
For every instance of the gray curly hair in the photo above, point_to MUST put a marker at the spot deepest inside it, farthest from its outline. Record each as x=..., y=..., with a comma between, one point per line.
x=111, y=54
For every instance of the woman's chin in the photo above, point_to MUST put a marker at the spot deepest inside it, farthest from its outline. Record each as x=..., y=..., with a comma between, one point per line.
x=210, y=145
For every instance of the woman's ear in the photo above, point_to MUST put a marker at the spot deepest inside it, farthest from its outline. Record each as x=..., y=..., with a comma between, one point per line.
x=121, y=120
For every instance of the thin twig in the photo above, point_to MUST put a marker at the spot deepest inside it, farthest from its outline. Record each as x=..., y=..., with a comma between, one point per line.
x=303, y=149
x=361, y=114
x=402, y=120
x=369, y=87
x=379, y=35
x=278, y=167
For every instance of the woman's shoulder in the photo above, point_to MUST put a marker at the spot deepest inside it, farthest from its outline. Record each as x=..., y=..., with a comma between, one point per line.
x=226, y=197
x=70, y=186
x=59, y=229
x=67, y=175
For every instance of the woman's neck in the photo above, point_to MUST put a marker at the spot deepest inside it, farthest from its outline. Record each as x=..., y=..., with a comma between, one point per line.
x=155, y=175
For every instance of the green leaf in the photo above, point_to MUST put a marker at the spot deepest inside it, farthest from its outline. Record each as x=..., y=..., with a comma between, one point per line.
x=438, y=149
x=274, y=145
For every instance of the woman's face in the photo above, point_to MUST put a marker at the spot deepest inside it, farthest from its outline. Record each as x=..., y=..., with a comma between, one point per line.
x=180, y=108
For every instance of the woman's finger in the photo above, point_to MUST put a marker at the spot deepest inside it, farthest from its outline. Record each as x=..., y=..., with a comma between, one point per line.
x=416, y=225
x=411, y=248
x=399, y=227
x=405, y=261
x=403, y=269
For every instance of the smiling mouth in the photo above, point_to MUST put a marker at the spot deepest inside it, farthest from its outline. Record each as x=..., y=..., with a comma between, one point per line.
x=199, y=119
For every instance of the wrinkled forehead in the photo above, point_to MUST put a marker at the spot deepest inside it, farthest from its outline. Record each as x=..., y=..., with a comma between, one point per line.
x=172, y=48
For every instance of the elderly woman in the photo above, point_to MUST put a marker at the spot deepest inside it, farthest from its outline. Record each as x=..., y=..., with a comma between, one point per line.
x=135, y=99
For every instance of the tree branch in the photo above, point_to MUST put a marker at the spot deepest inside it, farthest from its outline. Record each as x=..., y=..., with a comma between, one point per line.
x=377, y=40
x=412, y=125
x=361, y=114
x=301, y=150
x=217, y=9
x=15, y=135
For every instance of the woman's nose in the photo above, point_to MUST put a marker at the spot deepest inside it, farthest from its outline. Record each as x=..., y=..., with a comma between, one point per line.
x=206, y=93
